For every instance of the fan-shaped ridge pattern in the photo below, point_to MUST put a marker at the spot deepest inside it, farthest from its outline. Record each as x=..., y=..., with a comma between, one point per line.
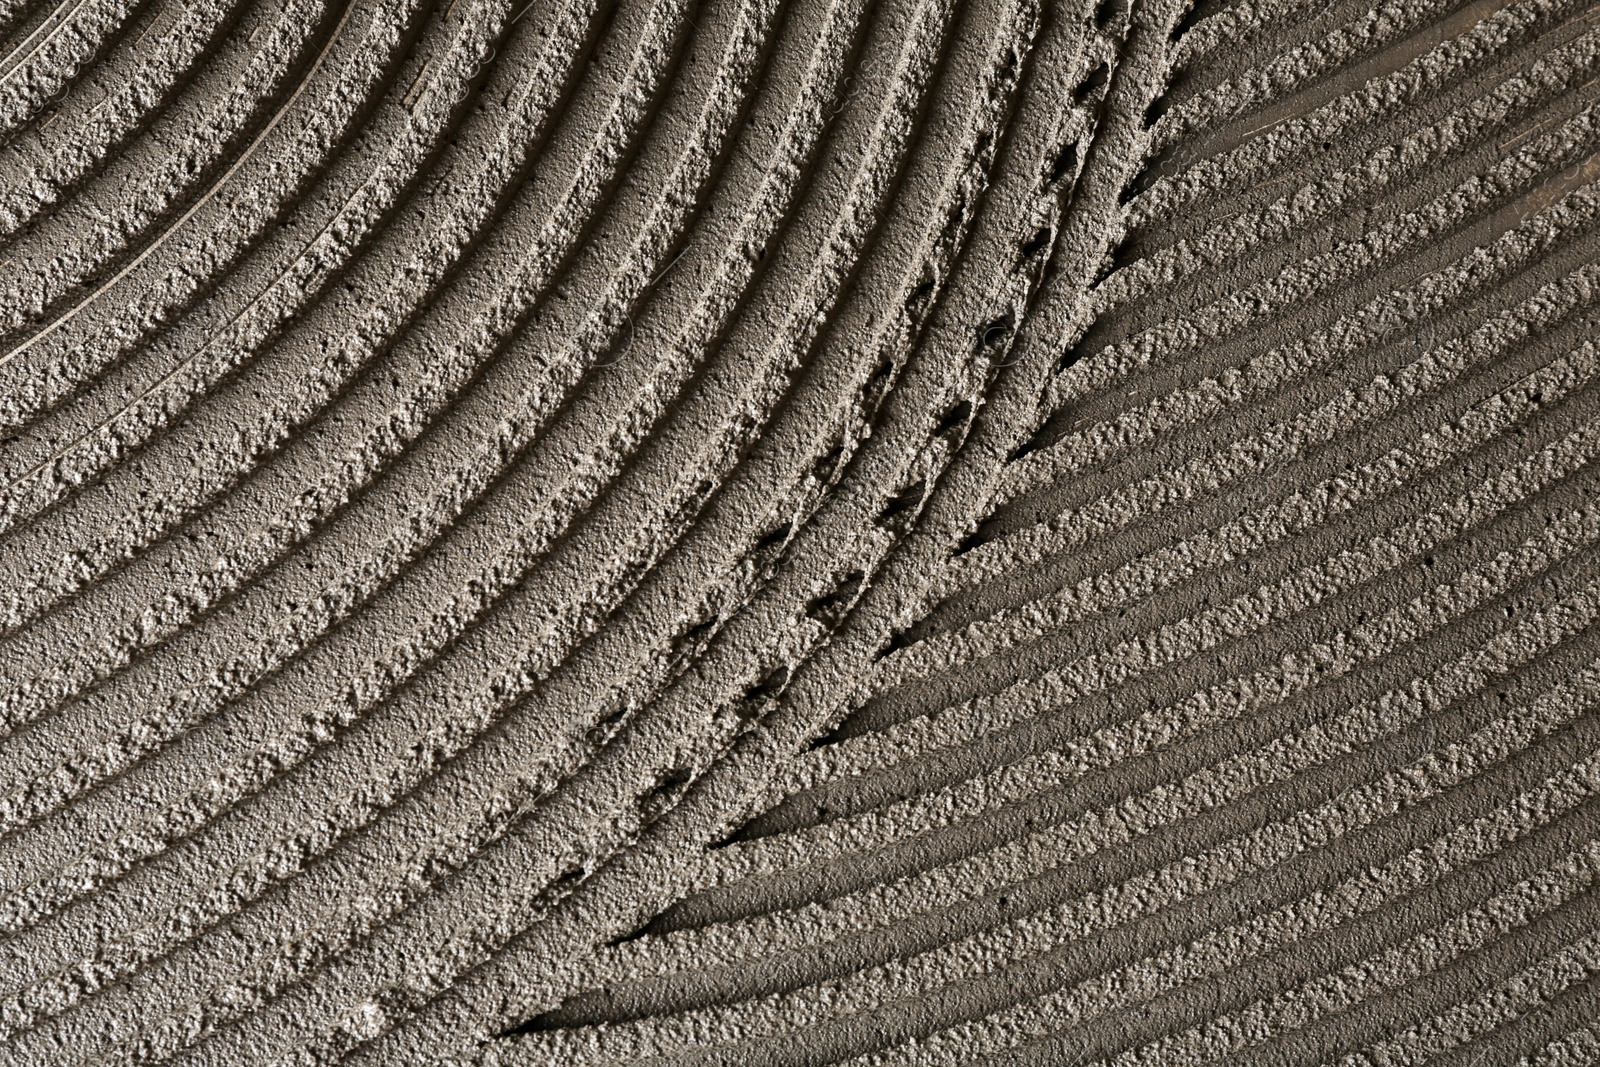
x=799, y=533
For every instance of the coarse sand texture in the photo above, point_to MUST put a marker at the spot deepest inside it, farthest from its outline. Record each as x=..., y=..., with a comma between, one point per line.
x=791, y=533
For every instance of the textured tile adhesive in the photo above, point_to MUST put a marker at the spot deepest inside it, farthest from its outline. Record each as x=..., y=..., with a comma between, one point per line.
x=780, y=533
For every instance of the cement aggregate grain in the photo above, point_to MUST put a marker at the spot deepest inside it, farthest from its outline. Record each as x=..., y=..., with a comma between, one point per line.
x=800, y=532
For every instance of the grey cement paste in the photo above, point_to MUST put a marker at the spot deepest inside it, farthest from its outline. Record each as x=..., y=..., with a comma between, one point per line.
x=779, y=534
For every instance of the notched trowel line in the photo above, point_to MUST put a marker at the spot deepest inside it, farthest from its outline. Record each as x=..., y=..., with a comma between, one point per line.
x=788, y=532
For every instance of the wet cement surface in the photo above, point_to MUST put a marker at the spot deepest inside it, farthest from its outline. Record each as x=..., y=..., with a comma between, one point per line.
x=799, y=533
